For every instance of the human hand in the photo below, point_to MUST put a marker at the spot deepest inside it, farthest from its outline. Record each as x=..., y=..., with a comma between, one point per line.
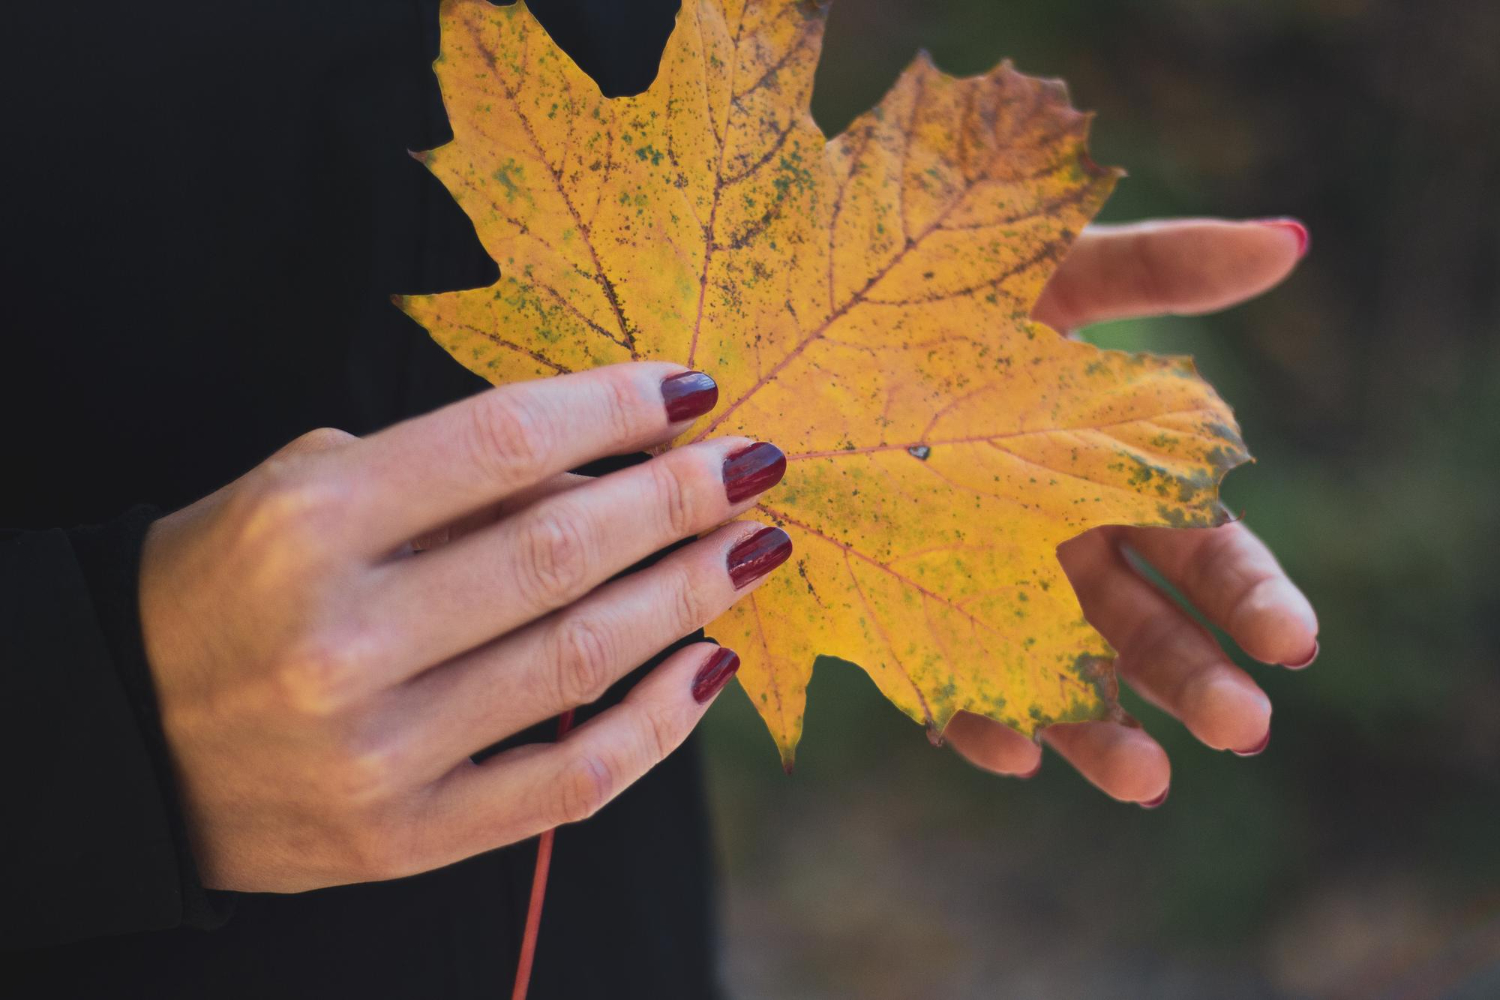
x=1181, y=267
x=335, y=633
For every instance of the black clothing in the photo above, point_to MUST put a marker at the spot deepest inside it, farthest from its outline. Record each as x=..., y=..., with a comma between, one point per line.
x=205, y=211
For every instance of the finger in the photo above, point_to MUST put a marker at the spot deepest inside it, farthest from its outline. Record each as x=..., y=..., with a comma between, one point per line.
x=435, y=469
x=1184, y=267
x=429, y=609
x=1171, y=660
x=992, y=745
x=1125, y=763
x=572, y=657
x=519, y=793
x=489, y=515
x=1235, y=581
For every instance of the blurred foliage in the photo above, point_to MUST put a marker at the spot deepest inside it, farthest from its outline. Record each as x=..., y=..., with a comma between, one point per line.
x=1360, y=856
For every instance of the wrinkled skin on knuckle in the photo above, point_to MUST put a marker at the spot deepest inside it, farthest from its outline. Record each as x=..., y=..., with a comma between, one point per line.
x=623, y=409
x=659, y=735
x=685, y=600
x=554, y=557
x=582, y=654
x=509, y=438
x=674, y=498
x=585, y=786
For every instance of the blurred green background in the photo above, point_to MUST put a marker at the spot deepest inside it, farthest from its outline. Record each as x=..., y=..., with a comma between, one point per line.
x=1360, y=855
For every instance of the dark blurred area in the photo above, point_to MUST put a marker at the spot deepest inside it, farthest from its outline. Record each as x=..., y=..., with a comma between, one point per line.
x=1360, y=856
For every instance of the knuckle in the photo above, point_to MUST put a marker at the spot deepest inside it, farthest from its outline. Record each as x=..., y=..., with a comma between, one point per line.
x=674, y=498
x=320, y=679
x=554, y=558
x=1150, y=272
x=685, y=600
x=284, y=509
x=319, y=439
x=658, y=737
x=1149, y=640
x=583, y=660
x=621, y=405
x=508, y=438
x=367, y=772
x=587, y=784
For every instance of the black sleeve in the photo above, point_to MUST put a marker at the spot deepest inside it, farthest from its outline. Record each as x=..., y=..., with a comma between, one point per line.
x=93, y=842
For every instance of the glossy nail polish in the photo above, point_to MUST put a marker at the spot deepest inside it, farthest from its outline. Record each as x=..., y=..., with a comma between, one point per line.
x=751, y=470
x=755, y=556
x=1259, y=748
x=1156, y=801
x=1307, y=662
x=688, y=395
x=1294, y=227
x=713, y=675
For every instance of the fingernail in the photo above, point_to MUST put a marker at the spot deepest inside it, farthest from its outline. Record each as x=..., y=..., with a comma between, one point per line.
x=713, y=675
x=1156, y=801
x=1294, y=227
x=753, y=470
x=755, y=556
x=1031, y=773
x=1259, y=748
x=1307, y=661
x=688, y=395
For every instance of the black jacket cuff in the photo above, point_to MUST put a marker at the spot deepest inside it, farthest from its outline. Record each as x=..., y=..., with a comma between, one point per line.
x=94, y=842
x=110, y=557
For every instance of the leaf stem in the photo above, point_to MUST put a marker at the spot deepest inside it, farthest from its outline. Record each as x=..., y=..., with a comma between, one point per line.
x=538, y=892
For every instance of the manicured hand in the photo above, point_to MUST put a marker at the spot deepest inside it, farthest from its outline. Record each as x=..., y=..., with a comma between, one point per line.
x=1181, y=267
x=335, y=633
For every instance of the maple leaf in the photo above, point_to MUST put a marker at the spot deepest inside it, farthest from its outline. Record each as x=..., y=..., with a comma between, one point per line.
x=864, y=303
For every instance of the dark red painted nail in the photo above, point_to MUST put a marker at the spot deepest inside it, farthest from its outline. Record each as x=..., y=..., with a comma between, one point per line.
x=1259, y=748
x=1156, y=801
x=713, y=675
x=1294, y=227
x=1307, y=661
x=755, y=556
x=688, y=395
x=753, y=470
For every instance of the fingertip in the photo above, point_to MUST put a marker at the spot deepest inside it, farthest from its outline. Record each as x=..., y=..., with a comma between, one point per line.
x=688, y=395
x=1275, y=623
x=1140, y=770
x=1227, y=711
x=1292, y=229
x=992, y=746
x=713, y=674
x=1307, y=659
x=756, y=554
x=1125, y=763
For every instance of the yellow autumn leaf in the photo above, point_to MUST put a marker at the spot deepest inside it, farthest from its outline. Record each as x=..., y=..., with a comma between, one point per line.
x=863, y=302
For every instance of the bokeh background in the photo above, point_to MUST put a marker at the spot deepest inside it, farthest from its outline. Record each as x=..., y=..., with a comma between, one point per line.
x=1359, y=857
